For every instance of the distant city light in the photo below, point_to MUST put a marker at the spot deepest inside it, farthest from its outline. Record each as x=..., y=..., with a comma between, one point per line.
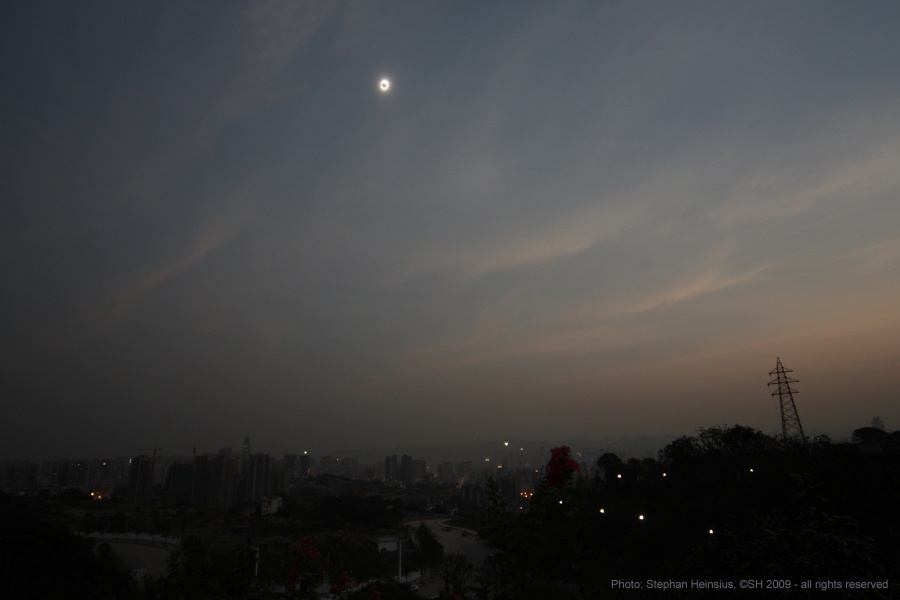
x=560, y=501
x=664, y=474
x=710, y=532
x=619, y=476
x=751, y=470
x=506, y=443
x=602, y=511
x=640, y=517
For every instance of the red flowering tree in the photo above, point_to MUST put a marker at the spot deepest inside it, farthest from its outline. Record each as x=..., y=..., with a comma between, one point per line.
x=306, y=570
x=344, y=583
x=561, y=466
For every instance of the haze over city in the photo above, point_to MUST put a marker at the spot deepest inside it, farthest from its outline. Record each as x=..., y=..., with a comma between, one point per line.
x=598, y=219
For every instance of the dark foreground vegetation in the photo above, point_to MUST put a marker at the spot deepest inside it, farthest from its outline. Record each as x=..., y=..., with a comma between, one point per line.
x=725, y=506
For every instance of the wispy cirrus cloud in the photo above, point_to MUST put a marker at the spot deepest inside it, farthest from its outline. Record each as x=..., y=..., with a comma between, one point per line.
x=200, y=249
x=707, y=282
x=819, y=171
x=571, y=235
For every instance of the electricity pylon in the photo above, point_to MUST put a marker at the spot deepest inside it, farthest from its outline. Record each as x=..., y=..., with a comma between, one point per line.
x=790, y=420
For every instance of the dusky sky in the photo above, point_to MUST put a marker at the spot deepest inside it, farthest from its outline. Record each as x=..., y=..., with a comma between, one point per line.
x=563, y=219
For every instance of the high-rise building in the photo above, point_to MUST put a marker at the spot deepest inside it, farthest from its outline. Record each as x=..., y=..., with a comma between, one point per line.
x=243, y=465
x=327, y=466
x=446, y=472
x=179, y=478
x=213, y=481
x=258, y=478
x=99, y=477
x=140, y=479
x=19, y=477
x=419, y=470
x=303, y=464
x=348, y=467
x=279, y=480
x=290, y=465
x=76, y=474
x=391, y=469
x=464, y=471
x=406, y=470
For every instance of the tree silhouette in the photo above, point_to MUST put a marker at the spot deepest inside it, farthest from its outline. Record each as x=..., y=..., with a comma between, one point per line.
x=869, y=435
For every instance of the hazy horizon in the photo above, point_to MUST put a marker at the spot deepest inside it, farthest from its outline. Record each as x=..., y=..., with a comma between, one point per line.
x=599, y=219
x=537, y=450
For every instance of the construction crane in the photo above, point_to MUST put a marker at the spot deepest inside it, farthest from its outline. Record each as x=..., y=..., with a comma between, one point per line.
x=152, y=457
x=153, y=451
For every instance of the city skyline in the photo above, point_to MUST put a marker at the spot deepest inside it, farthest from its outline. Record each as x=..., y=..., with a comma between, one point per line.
x=596, y=220
x=534, y=450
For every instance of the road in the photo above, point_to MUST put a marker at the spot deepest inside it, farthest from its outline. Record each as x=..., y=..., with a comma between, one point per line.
x=454, y=540
x=138, y=556
x=140, y=552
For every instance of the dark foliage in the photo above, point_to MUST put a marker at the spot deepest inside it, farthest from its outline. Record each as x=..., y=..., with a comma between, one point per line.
x=41, y=559
x=727, y=504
